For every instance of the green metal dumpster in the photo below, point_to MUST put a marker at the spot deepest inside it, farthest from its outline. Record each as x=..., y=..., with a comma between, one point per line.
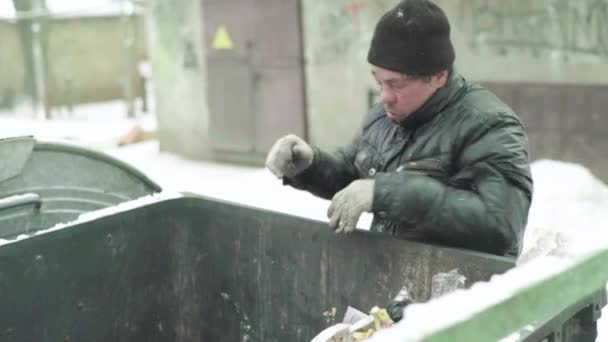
x=195, y=269
x=43, y=184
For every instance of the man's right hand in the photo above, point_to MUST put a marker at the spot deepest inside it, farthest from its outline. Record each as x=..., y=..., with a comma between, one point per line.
x=289, y=156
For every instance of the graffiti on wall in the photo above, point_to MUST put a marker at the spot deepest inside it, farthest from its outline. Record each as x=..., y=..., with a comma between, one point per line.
x=337, y=32
x=344, y=31
x=537, y=27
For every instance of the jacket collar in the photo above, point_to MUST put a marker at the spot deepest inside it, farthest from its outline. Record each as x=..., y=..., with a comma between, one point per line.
x=442, y=98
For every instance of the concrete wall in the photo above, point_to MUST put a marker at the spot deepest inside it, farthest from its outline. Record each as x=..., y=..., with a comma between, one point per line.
x=549, y=44
x=496, y=41
x=336, y=38
x=565, y=122
x=539, y=41
x=87, y=59
x=564, y=56
x=179, y=73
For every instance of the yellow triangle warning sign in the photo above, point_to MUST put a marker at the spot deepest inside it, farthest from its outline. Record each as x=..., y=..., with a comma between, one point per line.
x=222, y=40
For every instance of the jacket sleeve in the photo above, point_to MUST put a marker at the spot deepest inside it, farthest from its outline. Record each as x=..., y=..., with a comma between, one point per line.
x=490, y=215
x=332, y=172
x=328, y=173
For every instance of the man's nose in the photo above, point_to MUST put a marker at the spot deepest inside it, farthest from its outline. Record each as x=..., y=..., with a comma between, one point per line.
x=388, y=96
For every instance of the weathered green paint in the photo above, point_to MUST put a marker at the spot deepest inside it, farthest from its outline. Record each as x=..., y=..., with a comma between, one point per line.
x=179, y=72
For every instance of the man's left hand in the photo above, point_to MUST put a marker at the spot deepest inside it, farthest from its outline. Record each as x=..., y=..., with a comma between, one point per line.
x=348, y=204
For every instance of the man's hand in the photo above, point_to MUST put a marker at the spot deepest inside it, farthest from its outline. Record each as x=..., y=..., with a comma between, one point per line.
x=289, y=156
x=348, y=205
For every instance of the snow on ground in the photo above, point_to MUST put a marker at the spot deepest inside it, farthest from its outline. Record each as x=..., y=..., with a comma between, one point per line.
x=100, y=125
x=251, y=186
x=97, y=125
x=247, y=185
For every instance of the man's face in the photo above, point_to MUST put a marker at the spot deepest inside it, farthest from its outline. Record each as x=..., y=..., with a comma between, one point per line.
x=402, y=95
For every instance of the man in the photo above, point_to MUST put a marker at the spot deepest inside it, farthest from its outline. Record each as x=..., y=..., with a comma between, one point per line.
x=440, y=160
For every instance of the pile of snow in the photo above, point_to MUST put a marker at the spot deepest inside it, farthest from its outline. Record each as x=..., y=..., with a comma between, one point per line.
x=569, y=213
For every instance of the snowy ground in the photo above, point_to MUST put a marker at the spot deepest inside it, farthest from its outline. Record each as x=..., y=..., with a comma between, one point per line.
x=246, y=185
x=568, y=213
x=95, y=126
x=99, y=126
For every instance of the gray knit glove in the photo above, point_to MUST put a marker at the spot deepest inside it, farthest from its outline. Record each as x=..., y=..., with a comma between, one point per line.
x=289, y=156
x=348, y=204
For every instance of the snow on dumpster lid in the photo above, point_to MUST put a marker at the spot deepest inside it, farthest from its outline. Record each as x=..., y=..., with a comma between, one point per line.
x=93, y=215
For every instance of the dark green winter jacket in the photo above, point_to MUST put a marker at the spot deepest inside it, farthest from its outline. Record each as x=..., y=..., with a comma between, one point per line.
x=456, y=172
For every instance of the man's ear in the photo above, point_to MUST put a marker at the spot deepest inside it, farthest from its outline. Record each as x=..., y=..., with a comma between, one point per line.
x=439, y=79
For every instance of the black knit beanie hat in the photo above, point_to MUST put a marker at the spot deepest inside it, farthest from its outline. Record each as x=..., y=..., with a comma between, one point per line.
x=413, y=38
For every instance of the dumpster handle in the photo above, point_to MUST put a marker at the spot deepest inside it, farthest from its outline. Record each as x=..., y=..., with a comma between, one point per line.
x=20, y=200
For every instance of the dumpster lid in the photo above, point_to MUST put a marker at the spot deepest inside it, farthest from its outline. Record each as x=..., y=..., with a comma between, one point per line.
x=45, y=183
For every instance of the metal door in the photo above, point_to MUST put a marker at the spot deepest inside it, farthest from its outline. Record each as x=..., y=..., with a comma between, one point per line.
x=255, y=75
x=564, y=121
